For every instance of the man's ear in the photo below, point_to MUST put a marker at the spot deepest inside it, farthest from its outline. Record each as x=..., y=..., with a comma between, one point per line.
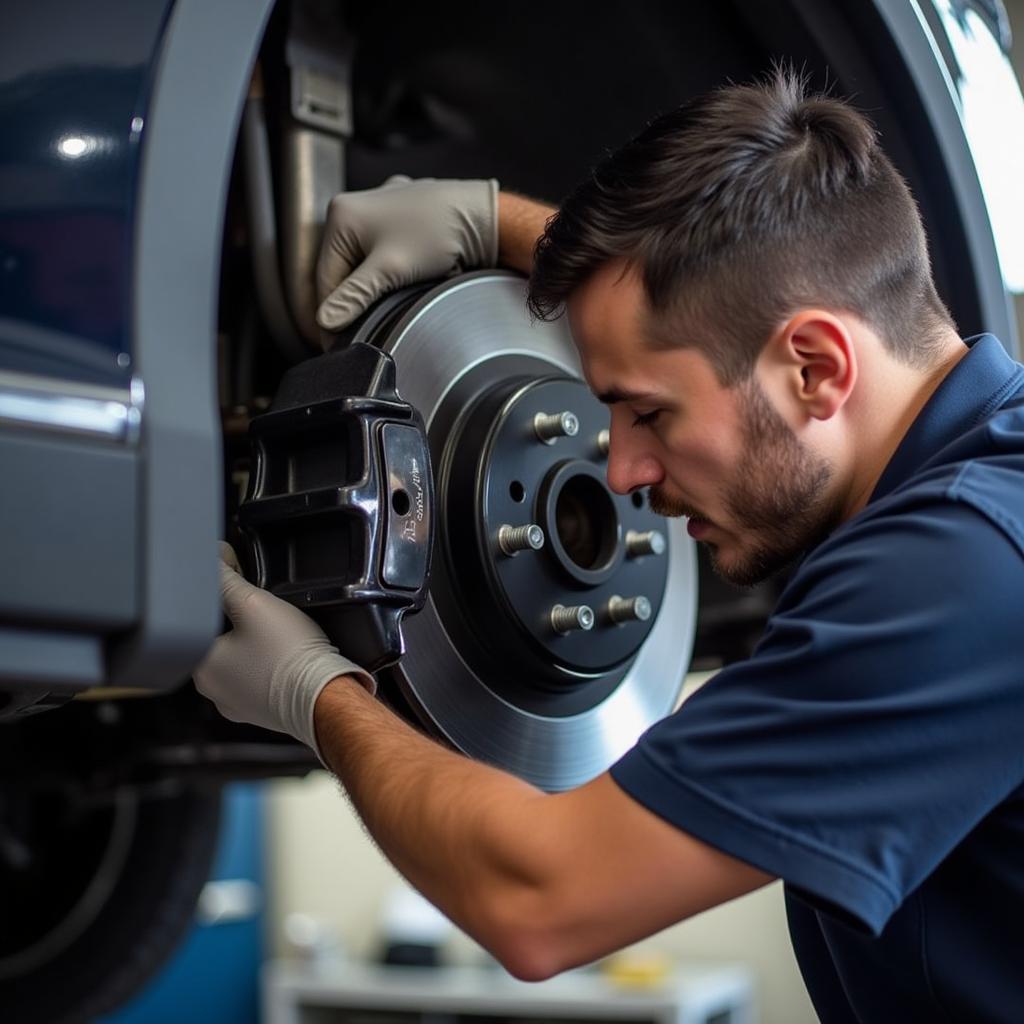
x=810, y=363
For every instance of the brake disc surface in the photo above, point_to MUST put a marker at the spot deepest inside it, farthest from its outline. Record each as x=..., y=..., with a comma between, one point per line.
x=486, y=664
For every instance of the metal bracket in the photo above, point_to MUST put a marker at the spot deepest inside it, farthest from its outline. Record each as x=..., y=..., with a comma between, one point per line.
x=319, y=55
x=318, y=52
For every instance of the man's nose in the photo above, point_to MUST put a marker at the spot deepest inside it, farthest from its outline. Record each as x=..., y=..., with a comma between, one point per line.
x=630, y=464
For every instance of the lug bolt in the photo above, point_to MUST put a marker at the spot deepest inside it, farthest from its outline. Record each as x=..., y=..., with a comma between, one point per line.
x=650, y=542
x=567, y=619
x=604, y=442
x=549, y=426
x=628, y=609
x=512, y=539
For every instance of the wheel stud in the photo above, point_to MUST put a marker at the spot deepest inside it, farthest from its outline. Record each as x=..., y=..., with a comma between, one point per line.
x=512, y=539
x=649, y=542
x=628, y=609
x=549, y=426
x=604, y=442
x=568, y=619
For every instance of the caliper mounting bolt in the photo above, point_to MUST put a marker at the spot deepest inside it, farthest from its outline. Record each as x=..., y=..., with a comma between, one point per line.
x=604, y=442
x=512, y=539
x=568, y=619
x=628, y=609
x=648, y=542
x=550, y=426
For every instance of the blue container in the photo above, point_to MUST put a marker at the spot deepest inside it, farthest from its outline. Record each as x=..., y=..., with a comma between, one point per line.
x=213, y=978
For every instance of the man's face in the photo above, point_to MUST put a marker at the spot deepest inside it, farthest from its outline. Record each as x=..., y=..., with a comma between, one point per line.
x=723, y=457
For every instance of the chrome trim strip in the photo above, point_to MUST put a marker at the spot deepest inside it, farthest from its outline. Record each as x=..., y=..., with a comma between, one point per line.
x=30, y=402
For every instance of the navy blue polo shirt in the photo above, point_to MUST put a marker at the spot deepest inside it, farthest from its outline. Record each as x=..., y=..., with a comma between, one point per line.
x=871, y=750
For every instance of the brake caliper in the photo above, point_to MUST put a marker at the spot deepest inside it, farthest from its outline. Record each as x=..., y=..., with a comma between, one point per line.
x=338, y=514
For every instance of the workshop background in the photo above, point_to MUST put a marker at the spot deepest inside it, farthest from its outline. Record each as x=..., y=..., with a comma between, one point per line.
x=299, y=880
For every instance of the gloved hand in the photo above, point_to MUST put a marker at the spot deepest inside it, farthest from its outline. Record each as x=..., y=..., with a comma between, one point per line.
x=406, y=231
x=270, y=668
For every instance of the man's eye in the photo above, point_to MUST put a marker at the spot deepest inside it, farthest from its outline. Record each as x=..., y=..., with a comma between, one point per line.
x=646, y=419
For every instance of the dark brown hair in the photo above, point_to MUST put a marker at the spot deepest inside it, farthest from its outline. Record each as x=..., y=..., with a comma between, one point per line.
x=738, y=209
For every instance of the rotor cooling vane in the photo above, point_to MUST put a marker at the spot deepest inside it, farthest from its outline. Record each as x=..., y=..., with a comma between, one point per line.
x=560, y=616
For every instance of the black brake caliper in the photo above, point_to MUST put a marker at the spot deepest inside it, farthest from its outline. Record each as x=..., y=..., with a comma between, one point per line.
x=339, y=511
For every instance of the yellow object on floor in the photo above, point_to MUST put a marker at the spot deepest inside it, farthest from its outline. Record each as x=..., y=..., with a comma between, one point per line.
x=637, y=970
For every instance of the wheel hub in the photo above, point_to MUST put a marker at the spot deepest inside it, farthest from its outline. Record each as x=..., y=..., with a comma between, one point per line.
x=499, y=475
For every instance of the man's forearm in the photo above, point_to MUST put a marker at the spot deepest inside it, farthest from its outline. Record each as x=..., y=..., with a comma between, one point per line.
x=520, y=223
x=463, y=833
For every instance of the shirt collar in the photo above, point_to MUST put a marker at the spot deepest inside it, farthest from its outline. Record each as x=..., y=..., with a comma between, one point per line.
x=973, y=389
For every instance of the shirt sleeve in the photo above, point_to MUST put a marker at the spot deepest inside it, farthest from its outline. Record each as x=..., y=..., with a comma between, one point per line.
x=877, y=722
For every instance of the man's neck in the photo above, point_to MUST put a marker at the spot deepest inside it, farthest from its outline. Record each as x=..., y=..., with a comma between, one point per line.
x=905, y=400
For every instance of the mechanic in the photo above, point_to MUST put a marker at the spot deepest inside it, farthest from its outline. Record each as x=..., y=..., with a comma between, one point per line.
x=748, y=286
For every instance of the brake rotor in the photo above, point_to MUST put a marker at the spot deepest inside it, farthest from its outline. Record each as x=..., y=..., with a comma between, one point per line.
x=561, y=616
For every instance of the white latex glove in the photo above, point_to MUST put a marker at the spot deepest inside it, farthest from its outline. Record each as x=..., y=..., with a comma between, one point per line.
x=270, y=668
x=382, y=239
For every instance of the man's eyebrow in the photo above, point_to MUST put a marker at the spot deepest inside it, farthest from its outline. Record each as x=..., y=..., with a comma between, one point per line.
x=615, y=395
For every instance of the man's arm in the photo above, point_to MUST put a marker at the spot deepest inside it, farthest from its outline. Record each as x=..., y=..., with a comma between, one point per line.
x=382, y=239
x=520, y=223
x=545, y=882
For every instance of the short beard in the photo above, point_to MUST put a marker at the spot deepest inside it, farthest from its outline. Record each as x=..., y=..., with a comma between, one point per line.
x=779, y=497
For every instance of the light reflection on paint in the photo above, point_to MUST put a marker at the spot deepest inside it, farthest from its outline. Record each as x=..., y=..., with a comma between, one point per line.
x=79, y=145
x=73, y=146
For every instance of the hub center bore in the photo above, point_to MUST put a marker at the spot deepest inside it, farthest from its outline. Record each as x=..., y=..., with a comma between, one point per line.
x=587, y=525
x=582, y=521
x=576, y=602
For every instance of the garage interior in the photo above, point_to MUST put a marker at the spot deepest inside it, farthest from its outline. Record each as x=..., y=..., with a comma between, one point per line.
x=312, y=835
x=301, y=909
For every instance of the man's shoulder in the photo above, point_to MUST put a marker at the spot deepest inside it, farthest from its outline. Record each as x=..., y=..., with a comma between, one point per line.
x=995, y=489
x=953, y=524
x=982, y=470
